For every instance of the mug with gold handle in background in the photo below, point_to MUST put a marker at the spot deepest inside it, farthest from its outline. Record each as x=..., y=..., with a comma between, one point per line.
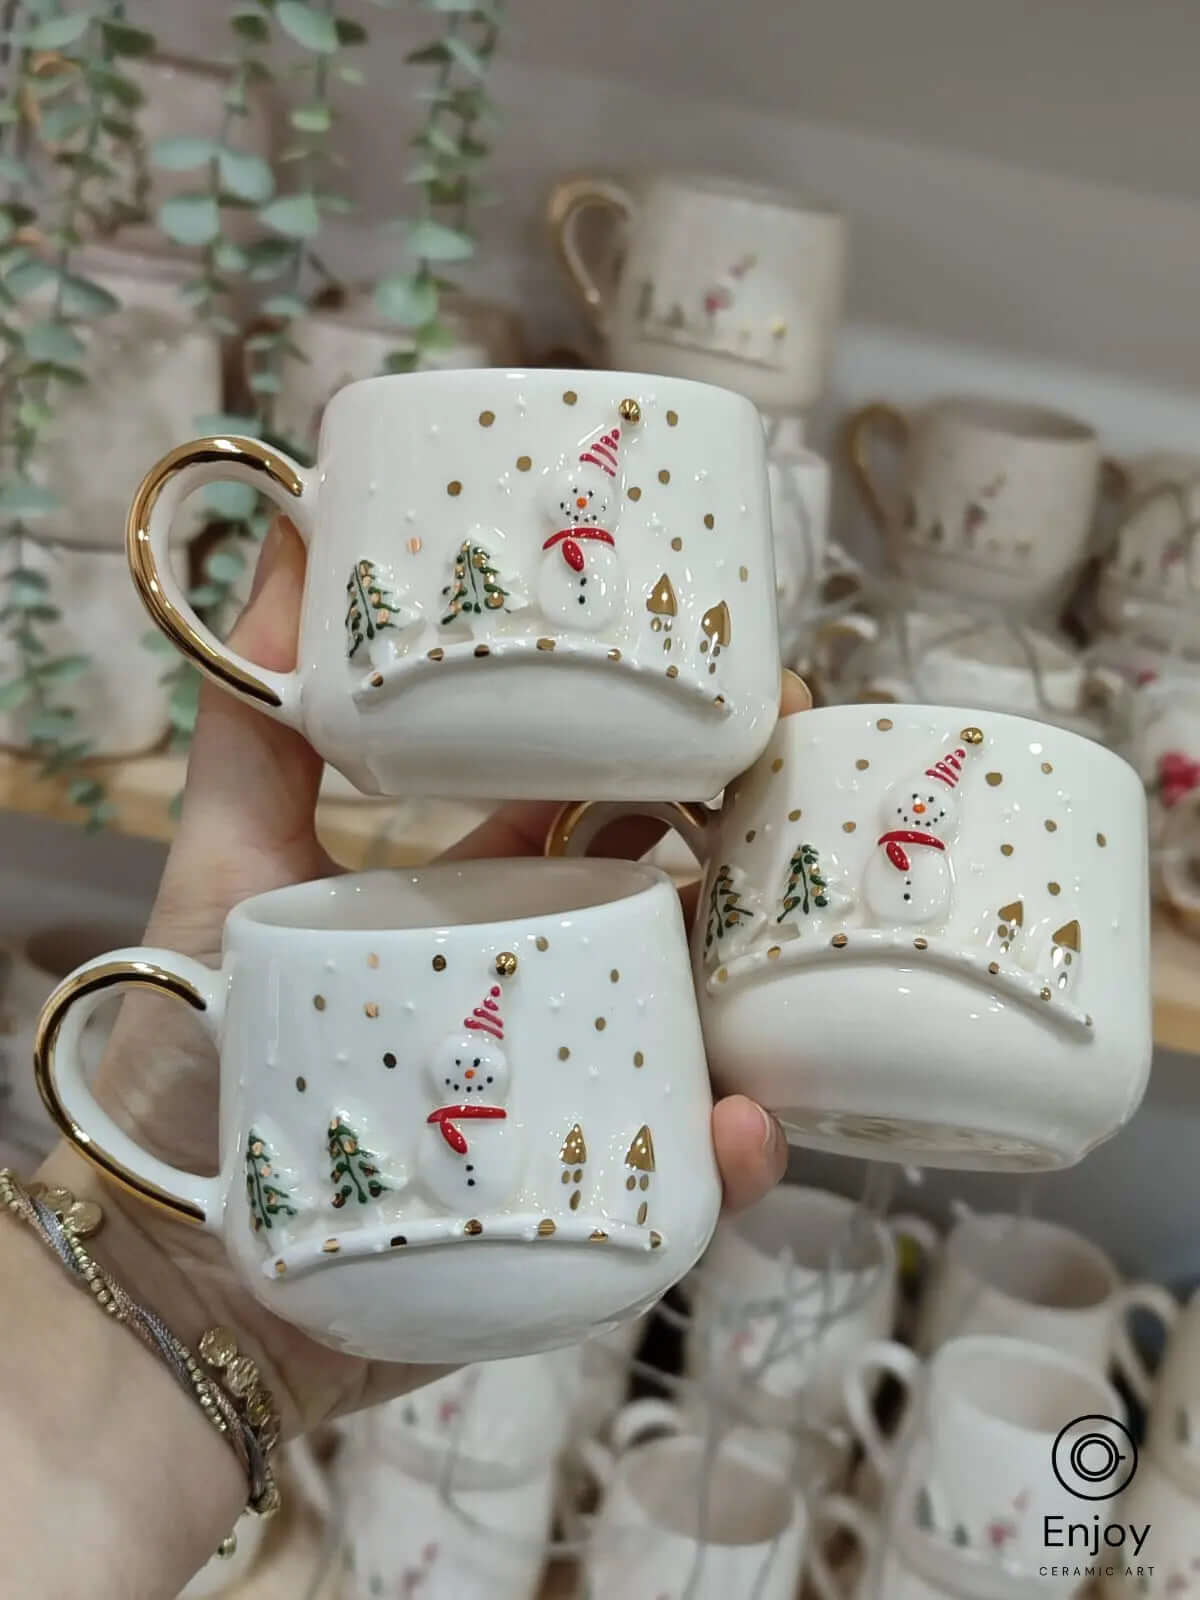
x=924, y=934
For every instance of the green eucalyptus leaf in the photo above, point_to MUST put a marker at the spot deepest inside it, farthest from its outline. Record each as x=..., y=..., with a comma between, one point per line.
x=354, y=75
x=22, y=595
x=34, y=414
x=229, y=257
x=312, y=119
x=182, y=152
x=233, y=501
x=336, y=204
x=268, y=258
x=350, y=32
x=285, y=305
x=247, y=176
x=82, y=297
x=226, y=566
x=85, y=792
x=19, y=498
x=249, y=23
x=436, y=336
x=14, y=693
x=123, y=39
x=9, y=112
x=264, y=383
x=441, y=143
x=401, y=361
x=122, y=131
x=433, y=241
x=406, y=300
x=157, y=643
x=313, y=29
x=202, y=596
x=6, y=227
x=226, y=422
x=63, y=122
x=50, y=727
x=258, y=342
x=225, y=326
x=466, y=58
x=295, y=215
x=31, y=578
x=53, y=341
x=191, y=219
x=429, y=55
x=12, y=170
x=116, y=86
x=86, y=165
x=57, y=32
x=50, y=371
x=422, y=172
x=184, y=700
x=63, y=668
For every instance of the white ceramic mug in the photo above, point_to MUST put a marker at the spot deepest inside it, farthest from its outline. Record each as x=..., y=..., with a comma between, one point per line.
x=888, y=881
x=1036, y=1280
x=464, y=1112
x=1173, y=1430
x=485, y=1426
x=119, y=703
x=720, y=280
x=972, y=659
x=406, y=1536
x=686, y=1517
x=997, y=499
x=1149, y=583
x=519, y=583
x=997, y=1437
x=1167, y=1512
x=786, y=1293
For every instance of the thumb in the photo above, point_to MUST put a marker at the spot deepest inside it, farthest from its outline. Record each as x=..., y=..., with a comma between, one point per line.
x=252, y=781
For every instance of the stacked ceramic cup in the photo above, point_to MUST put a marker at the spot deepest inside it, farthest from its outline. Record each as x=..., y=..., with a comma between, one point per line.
x=733, y=284
x=466, y=1109
x=988, y=521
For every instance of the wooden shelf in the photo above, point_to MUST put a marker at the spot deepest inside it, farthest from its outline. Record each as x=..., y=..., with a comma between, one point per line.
x=363, y=833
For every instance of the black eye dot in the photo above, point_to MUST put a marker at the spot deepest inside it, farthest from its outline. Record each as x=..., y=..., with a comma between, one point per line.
x=489, y=1079
x=475, y=1063
x=389, y=1060
x=930, y=799
x=457, y=1062
x=447, y=1080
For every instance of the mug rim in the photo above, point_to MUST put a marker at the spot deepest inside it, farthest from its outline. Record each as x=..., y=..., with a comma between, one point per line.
x=1024, y=420
x=967, y=1233
x=729, y=1457
x=542, y=377
x=821, y=1204
x=725, y=186
x=1002, y=1349
x=294, y=910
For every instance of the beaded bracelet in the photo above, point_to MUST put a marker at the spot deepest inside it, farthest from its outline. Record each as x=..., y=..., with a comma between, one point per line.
x=240, y=1408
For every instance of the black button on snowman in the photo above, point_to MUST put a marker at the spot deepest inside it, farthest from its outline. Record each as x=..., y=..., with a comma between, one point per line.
x=581, y=584
x=910, y=878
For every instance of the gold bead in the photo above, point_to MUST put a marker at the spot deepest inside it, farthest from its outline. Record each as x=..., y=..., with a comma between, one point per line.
x=241, y=1375
x=268, y=1434
x=630, y=410
x=258, y=1407
x=58, y=1200
x=218, y=1347
x=227, y=1547
x=506, y=963
x=84, y=1219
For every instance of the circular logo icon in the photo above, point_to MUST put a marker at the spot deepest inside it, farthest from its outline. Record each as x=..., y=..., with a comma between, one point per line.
x=1094, y=1457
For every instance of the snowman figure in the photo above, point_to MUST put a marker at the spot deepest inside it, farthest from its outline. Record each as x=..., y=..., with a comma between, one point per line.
x=470, y=1161
x=581, y=584
x=909, y=877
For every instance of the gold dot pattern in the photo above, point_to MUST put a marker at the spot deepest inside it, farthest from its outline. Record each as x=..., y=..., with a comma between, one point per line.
x=777, y=764
x=319, y=1002
x=672, y=672
x=884, y=724
x=545, y=644
x=972, y=735
x=1006, y=849
x=1054, y=888
x=453, y=488
x=302, y=1084
x=773, y=953
x=523, y=463
x=372, y=959
x=436, y=653
x=676, y=543
x=563, y=1055
x=840, y=941
x=794, y=816
x=995, y=779
x=663, y=475
x=849, y=827
x=486, y=418
x=1045, y=994
x=569, y=397
x=993, y=967
x=639, y=1059
x=1047, y=766
x=709, y=520
x=862, y=765
x=921, y=944
x=614, y=976
x=750, y=836
x=601, y=1024
x=1050, y=825
x=743, y=573
x=1101, y=840
x=672, y=418
x=371, y=1010
x=635, y=493
x=542, y=942
x=439, y=963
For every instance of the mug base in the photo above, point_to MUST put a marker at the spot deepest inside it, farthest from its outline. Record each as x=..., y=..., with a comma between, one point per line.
x=923, y=1142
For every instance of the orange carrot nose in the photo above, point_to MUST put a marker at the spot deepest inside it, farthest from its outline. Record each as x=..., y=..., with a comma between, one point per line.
x=919, y=807
x=581, y=501
x=469, y=1073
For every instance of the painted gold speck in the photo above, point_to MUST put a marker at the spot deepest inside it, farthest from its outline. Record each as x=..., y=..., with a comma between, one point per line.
x=1047, y=767
x=541, y=942
x=614, y=976
x=662, y=601
x=563, y=1053
x=993, y=967
x=1054, y=888
x=436, y=653
x=546, y=1228
x=545, y=644
x=777, y=764
x=655, y=1239
x=319, y=1002
x=676, y=543
x=672, y=672
x=569, y=397
x=397, y=1241
x=454, y=487
x=884, y=724
x=635, y=493
x=439, y=963
x=474, y=1226
x=995, y=779
x=630, y=410
x=672, y=419
x=280, y=1268
x=1068, y=936
x=1045, y=994
x=1101, y=840
x=331, y=1246
x=722, y=974
x=600, y=1024
x=709, y=520
x=1006, y=849
x=840, y=941
x=716, y=624
x=631, y=1182
x=921, y=944
x=483, y=650
x=849, y=827
x=506, y=964
x=639, y=1059
x=376, y=680
x=641, y=1213
x=523, y=463
x=373, y=959
x=414, y=545
x=371, y=1010
x=773, y=953
x=750, y=835
x=301, y=1084
x=663, y=475
x=972, y=735
x=486, y=418
x=862, y=764
x=597, y=1236
x=743, y=573
x=1050, y=825
x=794, y=816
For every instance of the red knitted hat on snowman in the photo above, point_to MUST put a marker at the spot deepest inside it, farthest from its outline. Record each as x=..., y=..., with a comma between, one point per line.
x=948, y=768
x=604, y=452
x=486, y=1017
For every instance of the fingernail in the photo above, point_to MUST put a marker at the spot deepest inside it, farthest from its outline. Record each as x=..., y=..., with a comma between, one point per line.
x=801, y=687
x=772, y=1132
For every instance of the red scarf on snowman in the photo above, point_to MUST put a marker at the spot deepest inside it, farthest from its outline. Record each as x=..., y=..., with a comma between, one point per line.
x=947, y=771
x=602, y=454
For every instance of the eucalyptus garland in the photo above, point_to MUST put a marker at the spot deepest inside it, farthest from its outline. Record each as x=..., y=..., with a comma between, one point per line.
x=68, y=144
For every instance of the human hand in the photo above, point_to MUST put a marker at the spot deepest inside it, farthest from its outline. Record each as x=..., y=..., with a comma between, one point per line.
x=248, y=826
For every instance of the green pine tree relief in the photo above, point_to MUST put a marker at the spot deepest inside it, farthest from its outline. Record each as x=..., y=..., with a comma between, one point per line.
x=806, y=886
x=371, y=608
x=476, y=588
x=961, y=1537
x=355, y=1170
x=725, y=909
x=268, y=1198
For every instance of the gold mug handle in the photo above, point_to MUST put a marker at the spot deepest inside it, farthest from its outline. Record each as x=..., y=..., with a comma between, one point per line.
x=577, y=824
x=568, y=201
x=62, y=1081
x=147, y=540
x=869, y=421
